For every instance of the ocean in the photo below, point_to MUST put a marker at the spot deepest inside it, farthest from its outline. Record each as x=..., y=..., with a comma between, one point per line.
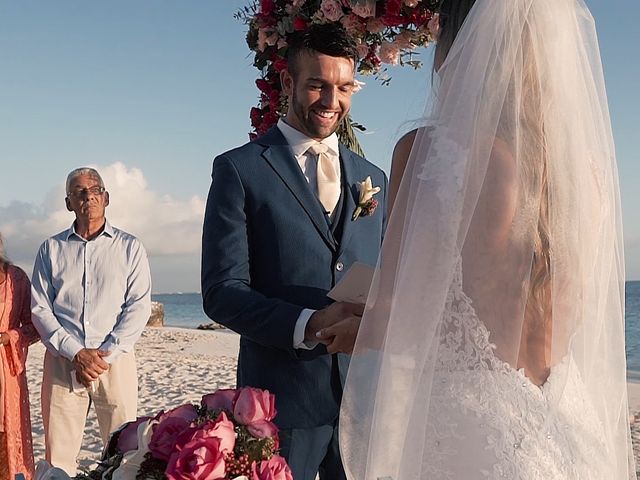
x=185, y=310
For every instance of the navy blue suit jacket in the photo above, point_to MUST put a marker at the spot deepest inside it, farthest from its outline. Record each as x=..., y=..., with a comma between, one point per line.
x=268, y=251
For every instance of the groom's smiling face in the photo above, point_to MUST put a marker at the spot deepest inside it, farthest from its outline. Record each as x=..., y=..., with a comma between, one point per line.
x=319, y=88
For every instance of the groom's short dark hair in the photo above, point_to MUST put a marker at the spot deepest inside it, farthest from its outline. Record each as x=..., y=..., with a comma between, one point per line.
x=326, y=38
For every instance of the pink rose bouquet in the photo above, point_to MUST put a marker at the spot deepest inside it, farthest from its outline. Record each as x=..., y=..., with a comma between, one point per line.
x=386, y=31
x=231, y=434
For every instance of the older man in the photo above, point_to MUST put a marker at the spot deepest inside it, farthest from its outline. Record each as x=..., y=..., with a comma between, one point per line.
x=90, y=302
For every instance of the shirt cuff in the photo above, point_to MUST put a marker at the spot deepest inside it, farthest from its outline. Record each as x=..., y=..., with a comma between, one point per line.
x=298, y=331
x=69, y=347
x=111, y=345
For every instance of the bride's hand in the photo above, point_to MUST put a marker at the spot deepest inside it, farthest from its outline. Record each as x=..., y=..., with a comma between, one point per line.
x=340, y=337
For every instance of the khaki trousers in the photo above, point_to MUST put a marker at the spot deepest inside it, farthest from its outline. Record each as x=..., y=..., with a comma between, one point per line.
x=64, y=411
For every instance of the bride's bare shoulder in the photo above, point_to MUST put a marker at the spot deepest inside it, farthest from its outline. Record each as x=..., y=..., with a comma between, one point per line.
x=401, y=153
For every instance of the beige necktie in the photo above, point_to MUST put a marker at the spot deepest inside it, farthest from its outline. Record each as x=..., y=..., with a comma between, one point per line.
x=327, y=178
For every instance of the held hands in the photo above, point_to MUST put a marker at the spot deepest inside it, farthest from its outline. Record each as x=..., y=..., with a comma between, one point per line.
x=336, y=326
x=89, y=365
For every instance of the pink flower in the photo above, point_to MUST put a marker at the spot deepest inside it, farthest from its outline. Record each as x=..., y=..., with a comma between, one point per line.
x=404, y=39
x=172, y=424
x=332, y=10
x=221, y=428
x=128, y=436
x=375, y=25
x=221, y=399
x=353, y=25
x=200, y=459
x=275, y=468
x=363, y=50
x=253, y=405
x=164, y=437
x=364, y=9
x=263, y=429
x=186, y=412
x=389, y=53
x=433, y=27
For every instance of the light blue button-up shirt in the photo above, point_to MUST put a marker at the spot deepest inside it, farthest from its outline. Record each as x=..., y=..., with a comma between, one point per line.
x=91, y=294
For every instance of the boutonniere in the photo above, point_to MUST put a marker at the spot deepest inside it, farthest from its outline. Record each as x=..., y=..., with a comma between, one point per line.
x=366, y=204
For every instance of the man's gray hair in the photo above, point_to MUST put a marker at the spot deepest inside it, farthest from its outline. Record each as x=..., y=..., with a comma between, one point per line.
x=82, y=171
x=3, y=254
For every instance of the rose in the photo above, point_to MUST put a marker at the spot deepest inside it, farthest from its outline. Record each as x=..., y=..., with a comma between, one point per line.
x=263, y=429
x=389, y=53
x=331, y=9
x=200, y=459
x=299, y=24
x=223, y=398
x=275, y=468
x=221, y=428
x=433, y=27
x=165, y=436
x=363, y=50
x=375, y=25
x=128, y=436
x=186, y=412
x=364, y=9
x=253, y=405
x=169, y=428
x=267, y=7
x=353, y=25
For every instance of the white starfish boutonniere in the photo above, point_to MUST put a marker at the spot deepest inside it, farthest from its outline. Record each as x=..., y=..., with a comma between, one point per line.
x=366, y=204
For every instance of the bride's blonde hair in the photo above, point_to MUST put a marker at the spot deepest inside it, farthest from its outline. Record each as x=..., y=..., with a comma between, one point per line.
x=534, y=179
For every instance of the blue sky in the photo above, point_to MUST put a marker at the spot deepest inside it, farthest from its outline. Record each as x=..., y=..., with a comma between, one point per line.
x=150, y=91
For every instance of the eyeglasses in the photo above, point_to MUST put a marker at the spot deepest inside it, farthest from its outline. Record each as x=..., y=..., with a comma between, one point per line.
x=81, y=192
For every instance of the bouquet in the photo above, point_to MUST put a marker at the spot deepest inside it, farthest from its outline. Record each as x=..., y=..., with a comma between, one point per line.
x=386, y=31
x=230, y=435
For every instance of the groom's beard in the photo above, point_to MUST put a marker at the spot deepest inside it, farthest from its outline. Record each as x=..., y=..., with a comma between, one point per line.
x=306, y=117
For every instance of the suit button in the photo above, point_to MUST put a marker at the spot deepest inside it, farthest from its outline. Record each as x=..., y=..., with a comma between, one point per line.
x=339, y=266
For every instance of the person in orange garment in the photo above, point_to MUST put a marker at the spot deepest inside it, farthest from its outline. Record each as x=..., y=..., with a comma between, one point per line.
x=16, y=334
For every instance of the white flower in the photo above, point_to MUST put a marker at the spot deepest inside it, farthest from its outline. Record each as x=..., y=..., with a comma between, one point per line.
x=366, y=203
x=367, y=190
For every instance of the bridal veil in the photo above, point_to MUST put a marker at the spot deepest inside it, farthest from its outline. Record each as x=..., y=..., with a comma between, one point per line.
x=511, y=186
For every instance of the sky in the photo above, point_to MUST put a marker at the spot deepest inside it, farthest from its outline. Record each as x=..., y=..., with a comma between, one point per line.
x=149, y=92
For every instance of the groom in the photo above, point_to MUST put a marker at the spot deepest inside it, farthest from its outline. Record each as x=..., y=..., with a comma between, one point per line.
x=278, y=235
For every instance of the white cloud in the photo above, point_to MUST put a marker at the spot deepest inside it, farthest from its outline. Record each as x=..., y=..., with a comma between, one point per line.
x=170, y=228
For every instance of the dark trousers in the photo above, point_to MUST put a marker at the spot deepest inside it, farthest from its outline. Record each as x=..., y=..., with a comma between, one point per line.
x=312, y=451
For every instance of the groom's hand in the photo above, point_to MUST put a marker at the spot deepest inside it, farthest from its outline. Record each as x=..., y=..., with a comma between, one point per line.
x=339, y=312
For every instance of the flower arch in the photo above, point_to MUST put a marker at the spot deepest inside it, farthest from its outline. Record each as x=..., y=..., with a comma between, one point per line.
x=386, y=31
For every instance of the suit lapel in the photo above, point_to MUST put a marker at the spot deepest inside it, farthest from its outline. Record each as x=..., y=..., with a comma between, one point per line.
x=350, y=177
x=278, y=154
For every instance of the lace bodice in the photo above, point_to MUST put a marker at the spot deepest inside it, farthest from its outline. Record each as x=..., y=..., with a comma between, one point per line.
x=489, y=421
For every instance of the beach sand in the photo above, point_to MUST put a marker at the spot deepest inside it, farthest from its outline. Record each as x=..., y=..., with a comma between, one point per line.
x=176, y=366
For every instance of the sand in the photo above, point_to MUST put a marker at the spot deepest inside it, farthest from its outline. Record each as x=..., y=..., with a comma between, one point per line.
x=176, y=366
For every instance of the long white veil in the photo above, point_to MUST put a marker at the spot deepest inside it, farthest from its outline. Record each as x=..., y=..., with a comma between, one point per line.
x=513, y=180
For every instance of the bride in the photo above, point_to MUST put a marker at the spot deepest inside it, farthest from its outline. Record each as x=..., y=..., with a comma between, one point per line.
x=492, y=345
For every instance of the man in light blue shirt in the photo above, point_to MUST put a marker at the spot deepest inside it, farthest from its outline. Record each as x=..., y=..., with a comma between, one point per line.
x=91, y=299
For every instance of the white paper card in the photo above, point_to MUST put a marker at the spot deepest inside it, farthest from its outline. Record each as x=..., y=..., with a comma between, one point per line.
x=354, y=286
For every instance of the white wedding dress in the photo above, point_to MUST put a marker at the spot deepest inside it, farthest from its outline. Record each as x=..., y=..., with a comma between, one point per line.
x=526, y=432
x=514, y=178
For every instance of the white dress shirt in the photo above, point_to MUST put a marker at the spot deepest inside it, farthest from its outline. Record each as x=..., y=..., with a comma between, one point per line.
x=91, y=293
x=299, y=144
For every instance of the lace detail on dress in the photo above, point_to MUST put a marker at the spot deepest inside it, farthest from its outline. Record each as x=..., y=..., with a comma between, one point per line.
x=487, y=418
